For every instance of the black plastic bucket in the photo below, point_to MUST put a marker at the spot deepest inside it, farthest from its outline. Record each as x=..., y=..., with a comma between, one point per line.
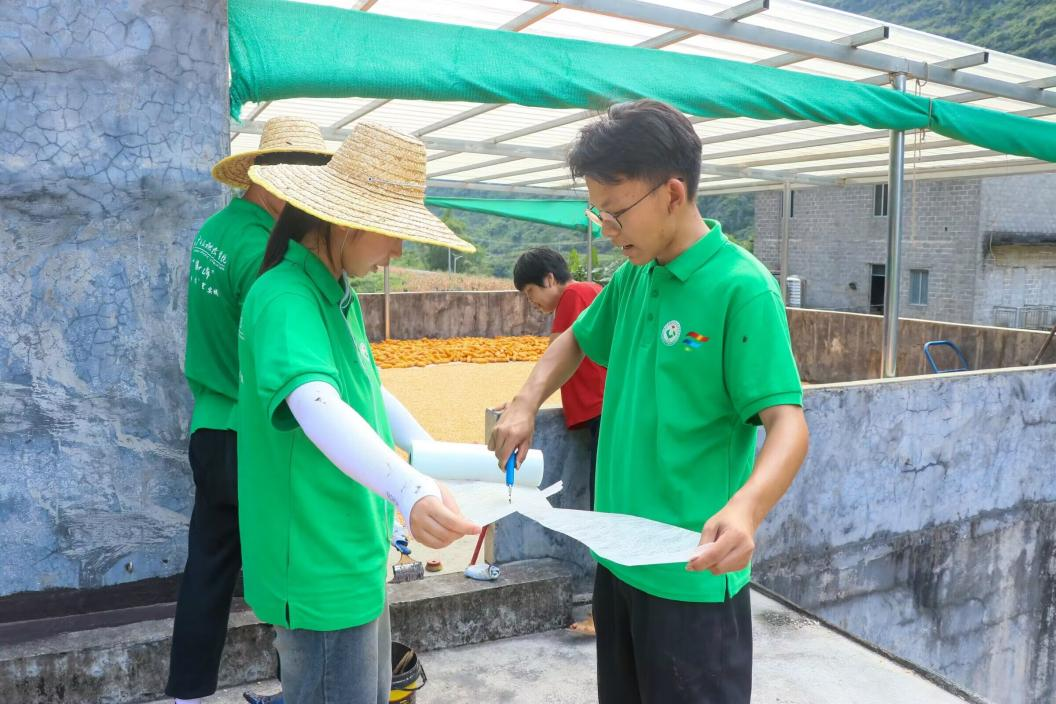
x=411, y=676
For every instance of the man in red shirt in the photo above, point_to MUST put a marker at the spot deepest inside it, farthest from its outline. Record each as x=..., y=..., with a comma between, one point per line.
x=542, y=275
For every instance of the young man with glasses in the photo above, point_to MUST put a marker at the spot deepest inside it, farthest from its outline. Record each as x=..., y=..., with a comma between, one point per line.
x=693, y=333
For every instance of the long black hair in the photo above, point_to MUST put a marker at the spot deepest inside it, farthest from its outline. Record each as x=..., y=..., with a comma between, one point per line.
x=293, y=224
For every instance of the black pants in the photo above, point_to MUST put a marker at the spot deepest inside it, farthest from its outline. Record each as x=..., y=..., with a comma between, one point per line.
x=593, y=426
x=658, y=651
x=214, y=559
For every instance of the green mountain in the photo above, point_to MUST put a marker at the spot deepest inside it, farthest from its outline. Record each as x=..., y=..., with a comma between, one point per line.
x=1025, y=28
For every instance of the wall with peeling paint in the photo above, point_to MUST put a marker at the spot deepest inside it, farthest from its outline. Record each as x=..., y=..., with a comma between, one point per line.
x=111, y=114
x=923, y=521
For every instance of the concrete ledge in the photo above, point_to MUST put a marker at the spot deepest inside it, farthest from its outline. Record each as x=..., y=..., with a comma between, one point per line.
x=129, y=663
x=122, y=664
x=451, y=610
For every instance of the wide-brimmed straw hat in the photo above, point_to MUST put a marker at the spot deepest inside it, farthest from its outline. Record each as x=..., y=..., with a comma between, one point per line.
x=280, y=134
x=375, y=181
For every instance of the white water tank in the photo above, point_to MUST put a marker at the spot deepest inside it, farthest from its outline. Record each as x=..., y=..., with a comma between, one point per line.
x=794, y=289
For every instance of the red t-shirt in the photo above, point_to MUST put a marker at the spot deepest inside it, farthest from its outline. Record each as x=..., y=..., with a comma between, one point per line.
x=581, y=395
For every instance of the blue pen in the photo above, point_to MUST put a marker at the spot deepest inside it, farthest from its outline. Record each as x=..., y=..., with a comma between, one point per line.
x=511, y=473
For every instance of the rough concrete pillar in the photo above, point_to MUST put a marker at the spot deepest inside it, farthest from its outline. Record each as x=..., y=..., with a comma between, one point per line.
x=111, y=114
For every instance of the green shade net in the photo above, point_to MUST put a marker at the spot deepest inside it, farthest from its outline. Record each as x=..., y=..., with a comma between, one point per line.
x=559, y=213
x=284, y=49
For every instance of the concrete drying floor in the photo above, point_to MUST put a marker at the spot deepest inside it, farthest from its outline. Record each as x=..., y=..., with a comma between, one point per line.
x=797, y=661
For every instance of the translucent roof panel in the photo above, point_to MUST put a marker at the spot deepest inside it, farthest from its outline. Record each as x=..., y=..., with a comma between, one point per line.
x=522, y=148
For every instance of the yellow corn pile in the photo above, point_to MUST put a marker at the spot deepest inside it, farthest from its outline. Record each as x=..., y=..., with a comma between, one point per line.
x=399, y=354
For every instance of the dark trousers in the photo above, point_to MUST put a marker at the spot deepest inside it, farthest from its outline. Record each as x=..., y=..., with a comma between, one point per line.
x=214, y=559
x=593, y=427
x=659, y=651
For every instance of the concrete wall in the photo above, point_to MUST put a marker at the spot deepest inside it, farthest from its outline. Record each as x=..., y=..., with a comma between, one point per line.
x=1015, y=276
x=1025, y=203
x=923, y=521
x=443, y=314
x=831, y=346
x=112, y=114
x=835, y=239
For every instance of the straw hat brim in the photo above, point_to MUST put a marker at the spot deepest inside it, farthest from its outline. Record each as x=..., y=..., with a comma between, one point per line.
x=319, y=191
x=234, y=170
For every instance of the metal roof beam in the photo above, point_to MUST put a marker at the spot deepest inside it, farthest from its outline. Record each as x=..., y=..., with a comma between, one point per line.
x=1006, y=168
x=869, y=36
x=522, y=172
x=967, y=61
x=500, y=188
x=455, y=119
x=470, y=167
x=817, y=48
x=365, y=110
x=449, y=146
x=529, y=17
x=738, y=172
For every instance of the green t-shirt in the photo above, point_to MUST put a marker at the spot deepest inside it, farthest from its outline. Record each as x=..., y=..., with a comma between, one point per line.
x=314, y=542
x=225, y=258
x=694, y=350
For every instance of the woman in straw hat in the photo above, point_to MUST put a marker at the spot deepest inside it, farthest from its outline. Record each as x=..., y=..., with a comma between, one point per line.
x=317, y=428
x=225, y=258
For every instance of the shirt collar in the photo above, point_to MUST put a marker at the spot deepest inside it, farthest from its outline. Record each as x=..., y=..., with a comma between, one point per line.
x=301, y=256
x=698, y=254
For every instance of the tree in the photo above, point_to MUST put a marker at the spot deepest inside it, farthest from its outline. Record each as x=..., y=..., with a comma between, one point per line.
x=438, y=258
x=575, y=265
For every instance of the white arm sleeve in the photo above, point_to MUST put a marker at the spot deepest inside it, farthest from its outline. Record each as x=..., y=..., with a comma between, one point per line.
x=355, y=448
x=405, y=429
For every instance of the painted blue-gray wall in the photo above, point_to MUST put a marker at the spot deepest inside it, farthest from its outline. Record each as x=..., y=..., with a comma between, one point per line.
x=923, y=520
x=111, y=114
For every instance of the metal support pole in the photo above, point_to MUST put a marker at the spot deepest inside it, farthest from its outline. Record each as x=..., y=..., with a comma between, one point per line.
x=893, y=269
x=386, y=299
x=786, y=226
x=590, y=254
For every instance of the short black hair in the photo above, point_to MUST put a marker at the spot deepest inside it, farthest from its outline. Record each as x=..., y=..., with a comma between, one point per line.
x=533, y=266
x=644, y=139
x=304, y=158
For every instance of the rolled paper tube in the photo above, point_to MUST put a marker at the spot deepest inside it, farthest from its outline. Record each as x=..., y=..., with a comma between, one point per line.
x=449, y=461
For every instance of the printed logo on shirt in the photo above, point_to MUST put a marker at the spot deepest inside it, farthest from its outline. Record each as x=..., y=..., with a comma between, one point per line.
x=693, y=340
x=671, y=333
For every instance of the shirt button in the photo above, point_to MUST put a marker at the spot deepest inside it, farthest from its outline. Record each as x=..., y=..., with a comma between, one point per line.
x=649, y=317
x=655, y=293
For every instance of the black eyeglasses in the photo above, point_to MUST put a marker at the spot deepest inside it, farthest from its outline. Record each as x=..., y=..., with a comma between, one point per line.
x=597, y=216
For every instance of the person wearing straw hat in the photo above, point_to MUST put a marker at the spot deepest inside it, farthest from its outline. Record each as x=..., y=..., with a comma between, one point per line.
x=317, y=427
x=225, y=259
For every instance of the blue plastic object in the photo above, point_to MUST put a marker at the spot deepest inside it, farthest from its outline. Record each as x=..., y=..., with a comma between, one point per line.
x=511, y=473
x=944, y=343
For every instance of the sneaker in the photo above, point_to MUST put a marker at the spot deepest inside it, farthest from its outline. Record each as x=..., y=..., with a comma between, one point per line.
x=262, y=698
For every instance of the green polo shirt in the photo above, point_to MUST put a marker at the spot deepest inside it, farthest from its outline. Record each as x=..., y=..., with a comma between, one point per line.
x=225, y=258
x=314, y=542
x=694, y=350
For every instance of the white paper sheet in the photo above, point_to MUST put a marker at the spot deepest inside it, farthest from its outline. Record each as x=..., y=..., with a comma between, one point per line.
x=487, y=502
x=626, y=540
x=479, y=487
x=448, y=461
